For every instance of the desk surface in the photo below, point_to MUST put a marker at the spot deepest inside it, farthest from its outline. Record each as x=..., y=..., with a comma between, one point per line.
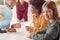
x=19, y=35
x=13, y=36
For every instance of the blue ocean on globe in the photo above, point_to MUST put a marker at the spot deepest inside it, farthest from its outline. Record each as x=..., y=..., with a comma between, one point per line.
x=6, y=12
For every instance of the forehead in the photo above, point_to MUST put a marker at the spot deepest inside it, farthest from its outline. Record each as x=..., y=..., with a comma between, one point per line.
x=46, y=8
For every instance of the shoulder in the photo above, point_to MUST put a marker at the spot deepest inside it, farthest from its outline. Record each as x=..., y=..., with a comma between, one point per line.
x=55, y=25
x=26, y=3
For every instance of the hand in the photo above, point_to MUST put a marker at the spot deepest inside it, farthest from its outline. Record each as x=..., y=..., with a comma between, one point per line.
x=10, y=30
x=27, y=28
x=30, y=29
x=16, y=26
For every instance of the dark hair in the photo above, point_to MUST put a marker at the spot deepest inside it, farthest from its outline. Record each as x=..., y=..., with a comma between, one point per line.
x=37, y=4
x=53, y=7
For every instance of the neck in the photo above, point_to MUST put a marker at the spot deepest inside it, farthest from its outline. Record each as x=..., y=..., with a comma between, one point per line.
x=21, y=3
x=51, y=20
x=37, y=15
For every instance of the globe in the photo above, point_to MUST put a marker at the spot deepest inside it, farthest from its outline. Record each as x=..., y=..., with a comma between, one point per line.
x=5, y=14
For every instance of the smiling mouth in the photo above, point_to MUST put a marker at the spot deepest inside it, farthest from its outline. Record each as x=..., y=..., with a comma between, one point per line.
x=47, y=17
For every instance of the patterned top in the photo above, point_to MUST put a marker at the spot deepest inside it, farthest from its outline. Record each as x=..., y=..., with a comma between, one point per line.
x=22, y=11
x=50, y=33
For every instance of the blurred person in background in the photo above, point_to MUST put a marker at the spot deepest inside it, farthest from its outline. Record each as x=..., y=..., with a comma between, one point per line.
x=22, y=10
x=10, y=4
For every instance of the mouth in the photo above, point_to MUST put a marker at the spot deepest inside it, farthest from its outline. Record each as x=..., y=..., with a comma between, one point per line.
x=46, y=17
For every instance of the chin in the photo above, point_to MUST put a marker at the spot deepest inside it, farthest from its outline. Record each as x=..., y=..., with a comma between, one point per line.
x=46, y=19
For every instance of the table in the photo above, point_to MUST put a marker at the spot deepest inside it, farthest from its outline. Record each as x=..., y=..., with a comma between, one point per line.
x=19, y=35
x=13, y=36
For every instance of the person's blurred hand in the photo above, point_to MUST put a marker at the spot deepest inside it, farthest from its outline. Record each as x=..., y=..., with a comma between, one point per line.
x=16, y=26
x=10, y=30
x=30, y=29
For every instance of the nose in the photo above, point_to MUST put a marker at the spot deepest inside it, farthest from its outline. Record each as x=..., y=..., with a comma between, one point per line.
x=45, y=13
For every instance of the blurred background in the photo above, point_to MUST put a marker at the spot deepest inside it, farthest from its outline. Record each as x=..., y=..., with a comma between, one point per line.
x=2, y=2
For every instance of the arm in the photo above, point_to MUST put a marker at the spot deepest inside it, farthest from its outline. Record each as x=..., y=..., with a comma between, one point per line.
x=51, y=34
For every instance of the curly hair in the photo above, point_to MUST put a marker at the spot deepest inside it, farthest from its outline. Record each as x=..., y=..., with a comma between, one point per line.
x=37, y=4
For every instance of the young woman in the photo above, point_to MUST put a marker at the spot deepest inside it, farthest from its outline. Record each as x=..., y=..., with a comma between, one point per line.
x=38, y=19
x=52, y=30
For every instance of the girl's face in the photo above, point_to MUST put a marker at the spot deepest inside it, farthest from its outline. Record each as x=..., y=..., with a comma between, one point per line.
x=47, y=13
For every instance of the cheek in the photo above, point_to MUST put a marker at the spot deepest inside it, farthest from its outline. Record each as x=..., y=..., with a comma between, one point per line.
x=50, y=14
x=44, y=14
x=33, y=11
x=13, y=3
x=9, y=3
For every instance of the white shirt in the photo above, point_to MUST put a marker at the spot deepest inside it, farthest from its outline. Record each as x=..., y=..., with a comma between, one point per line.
x=30, y=18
